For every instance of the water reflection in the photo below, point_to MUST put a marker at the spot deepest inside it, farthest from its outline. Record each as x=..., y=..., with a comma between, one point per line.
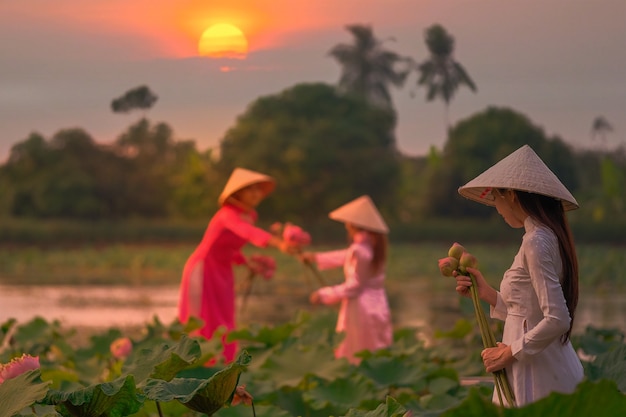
x=412, y=306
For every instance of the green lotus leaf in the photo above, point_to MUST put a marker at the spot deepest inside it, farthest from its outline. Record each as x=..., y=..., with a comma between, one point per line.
x=610, y=365
x=590, y=399
x=391, y=408
x=290, y=366
x=291, y=400
x=118, y=398
x=595, y=341
x=442, y=385
x=163, y=361
x=260, y=411
x=391, y=371
x=203, y=395
x=442, y=401
x=341, y=393
x=21, y=391
x=462, y=328
x=265, y=335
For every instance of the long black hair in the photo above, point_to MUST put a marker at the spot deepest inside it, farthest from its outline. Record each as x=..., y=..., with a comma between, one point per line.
x=549, y=212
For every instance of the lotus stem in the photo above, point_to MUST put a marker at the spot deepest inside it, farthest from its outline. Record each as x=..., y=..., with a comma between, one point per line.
x=500, y=378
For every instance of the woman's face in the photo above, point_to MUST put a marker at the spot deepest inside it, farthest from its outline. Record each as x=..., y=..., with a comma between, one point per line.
x=352, y=230
x=250, y=196
x=508, y=207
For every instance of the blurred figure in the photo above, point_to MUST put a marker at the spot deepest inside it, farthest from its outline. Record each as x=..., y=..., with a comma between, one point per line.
x=207, y=289
x=364, y=315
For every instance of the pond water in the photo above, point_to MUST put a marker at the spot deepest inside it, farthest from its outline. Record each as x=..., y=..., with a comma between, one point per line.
x=104, y=306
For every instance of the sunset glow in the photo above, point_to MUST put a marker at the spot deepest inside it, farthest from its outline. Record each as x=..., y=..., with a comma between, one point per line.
x=223, y=41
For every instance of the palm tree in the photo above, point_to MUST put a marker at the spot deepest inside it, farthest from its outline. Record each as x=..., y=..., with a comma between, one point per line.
x=600, y=128
x=441, y=74
x=368, y=68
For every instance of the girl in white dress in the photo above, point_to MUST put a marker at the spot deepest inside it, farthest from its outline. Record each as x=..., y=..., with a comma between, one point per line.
x=539, y=292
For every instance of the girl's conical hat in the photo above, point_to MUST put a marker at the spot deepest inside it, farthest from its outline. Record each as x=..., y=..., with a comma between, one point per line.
x=241, y=178
x=361, y=212
x=522, y=170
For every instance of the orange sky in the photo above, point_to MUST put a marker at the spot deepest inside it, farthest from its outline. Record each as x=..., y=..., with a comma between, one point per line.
x=560, y=62
x=174, y=27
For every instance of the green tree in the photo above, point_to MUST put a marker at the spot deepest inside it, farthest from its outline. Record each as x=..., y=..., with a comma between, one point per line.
x=477, y=143
x=324, y=148
x=195, y=186
x=145, y=173
x=153, y=159
x=600, y=129
x=141, y=98
x=368, y=69
x=56, y=178
x=441, y=74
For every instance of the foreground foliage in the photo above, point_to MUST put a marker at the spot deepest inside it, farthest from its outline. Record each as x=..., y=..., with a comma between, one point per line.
x=289, y=369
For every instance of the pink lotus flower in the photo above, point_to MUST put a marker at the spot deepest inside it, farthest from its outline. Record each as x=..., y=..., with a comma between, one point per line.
x=263, y=265
x=294, y=235
x=18, y=366
x=121, y=348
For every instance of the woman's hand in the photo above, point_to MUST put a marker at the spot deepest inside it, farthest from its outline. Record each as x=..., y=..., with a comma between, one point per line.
x=463, y=284
x=485, y=291
x=497, y=358
x=315, y=298
x=307, y=257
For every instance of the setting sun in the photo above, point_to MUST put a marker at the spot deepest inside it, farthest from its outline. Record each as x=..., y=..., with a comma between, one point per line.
x=223, y=41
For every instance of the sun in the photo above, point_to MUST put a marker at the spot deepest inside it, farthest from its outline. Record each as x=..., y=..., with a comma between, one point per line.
x=223, y=41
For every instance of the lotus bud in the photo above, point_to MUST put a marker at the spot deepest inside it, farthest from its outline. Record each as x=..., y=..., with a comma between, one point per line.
x=456, y=250
x=467, y=259
x=448, y=265
x=121, y=348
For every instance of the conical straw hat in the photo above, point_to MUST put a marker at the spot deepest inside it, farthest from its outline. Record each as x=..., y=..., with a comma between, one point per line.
x=361, y=212
x=522, y=170
x=241, y=178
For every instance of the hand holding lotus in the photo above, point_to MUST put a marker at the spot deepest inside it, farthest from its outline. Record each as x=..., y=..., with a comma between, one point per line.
x=497, y=358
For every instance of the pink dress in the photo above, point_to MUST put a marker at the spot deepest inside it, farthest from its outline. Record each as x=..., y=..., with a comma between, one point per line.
x=364, y=315
x=207, y=289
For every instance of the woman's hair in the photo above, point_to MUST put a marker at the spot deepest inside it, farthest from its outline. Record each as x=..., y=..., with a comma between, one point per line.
x=549, y=211
x=380, y=250
x=379, y=246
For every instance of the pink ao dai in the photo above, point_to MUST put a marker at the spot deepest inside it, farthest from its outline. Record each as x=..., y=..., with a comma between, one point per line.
x=364, y=315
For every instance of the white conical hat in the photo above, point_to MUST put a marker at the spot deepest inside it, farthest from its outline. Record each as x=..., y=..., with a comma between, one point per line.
x=522, y=170
x=241, y=178
x=361, y=212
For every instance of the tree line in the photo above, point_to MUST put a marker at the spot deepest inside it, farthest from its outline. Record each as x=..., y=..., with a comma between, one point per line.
x=325, y=144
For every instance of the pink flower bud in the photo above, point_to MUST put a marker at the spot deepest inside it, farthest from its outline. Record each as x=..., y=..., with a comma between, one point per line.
x=121, y=348
x=456, y=250
x=448, y=265
x=276, y=228
x=241, y=396
x=18, y=366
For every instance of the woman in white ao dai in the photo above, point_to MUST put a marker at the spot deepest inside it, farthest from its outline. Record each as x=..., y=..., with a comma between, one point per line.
x=539, y=293
x=535, y=313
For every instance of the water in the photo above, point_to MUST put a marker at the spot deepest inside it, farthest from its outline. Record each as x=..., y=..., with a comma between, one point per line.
x=105, y=306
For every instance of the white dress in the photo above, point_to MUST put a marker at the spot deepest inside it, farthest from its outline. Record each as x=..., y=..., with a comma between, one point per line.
x=535, y=315
x=364, y=315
